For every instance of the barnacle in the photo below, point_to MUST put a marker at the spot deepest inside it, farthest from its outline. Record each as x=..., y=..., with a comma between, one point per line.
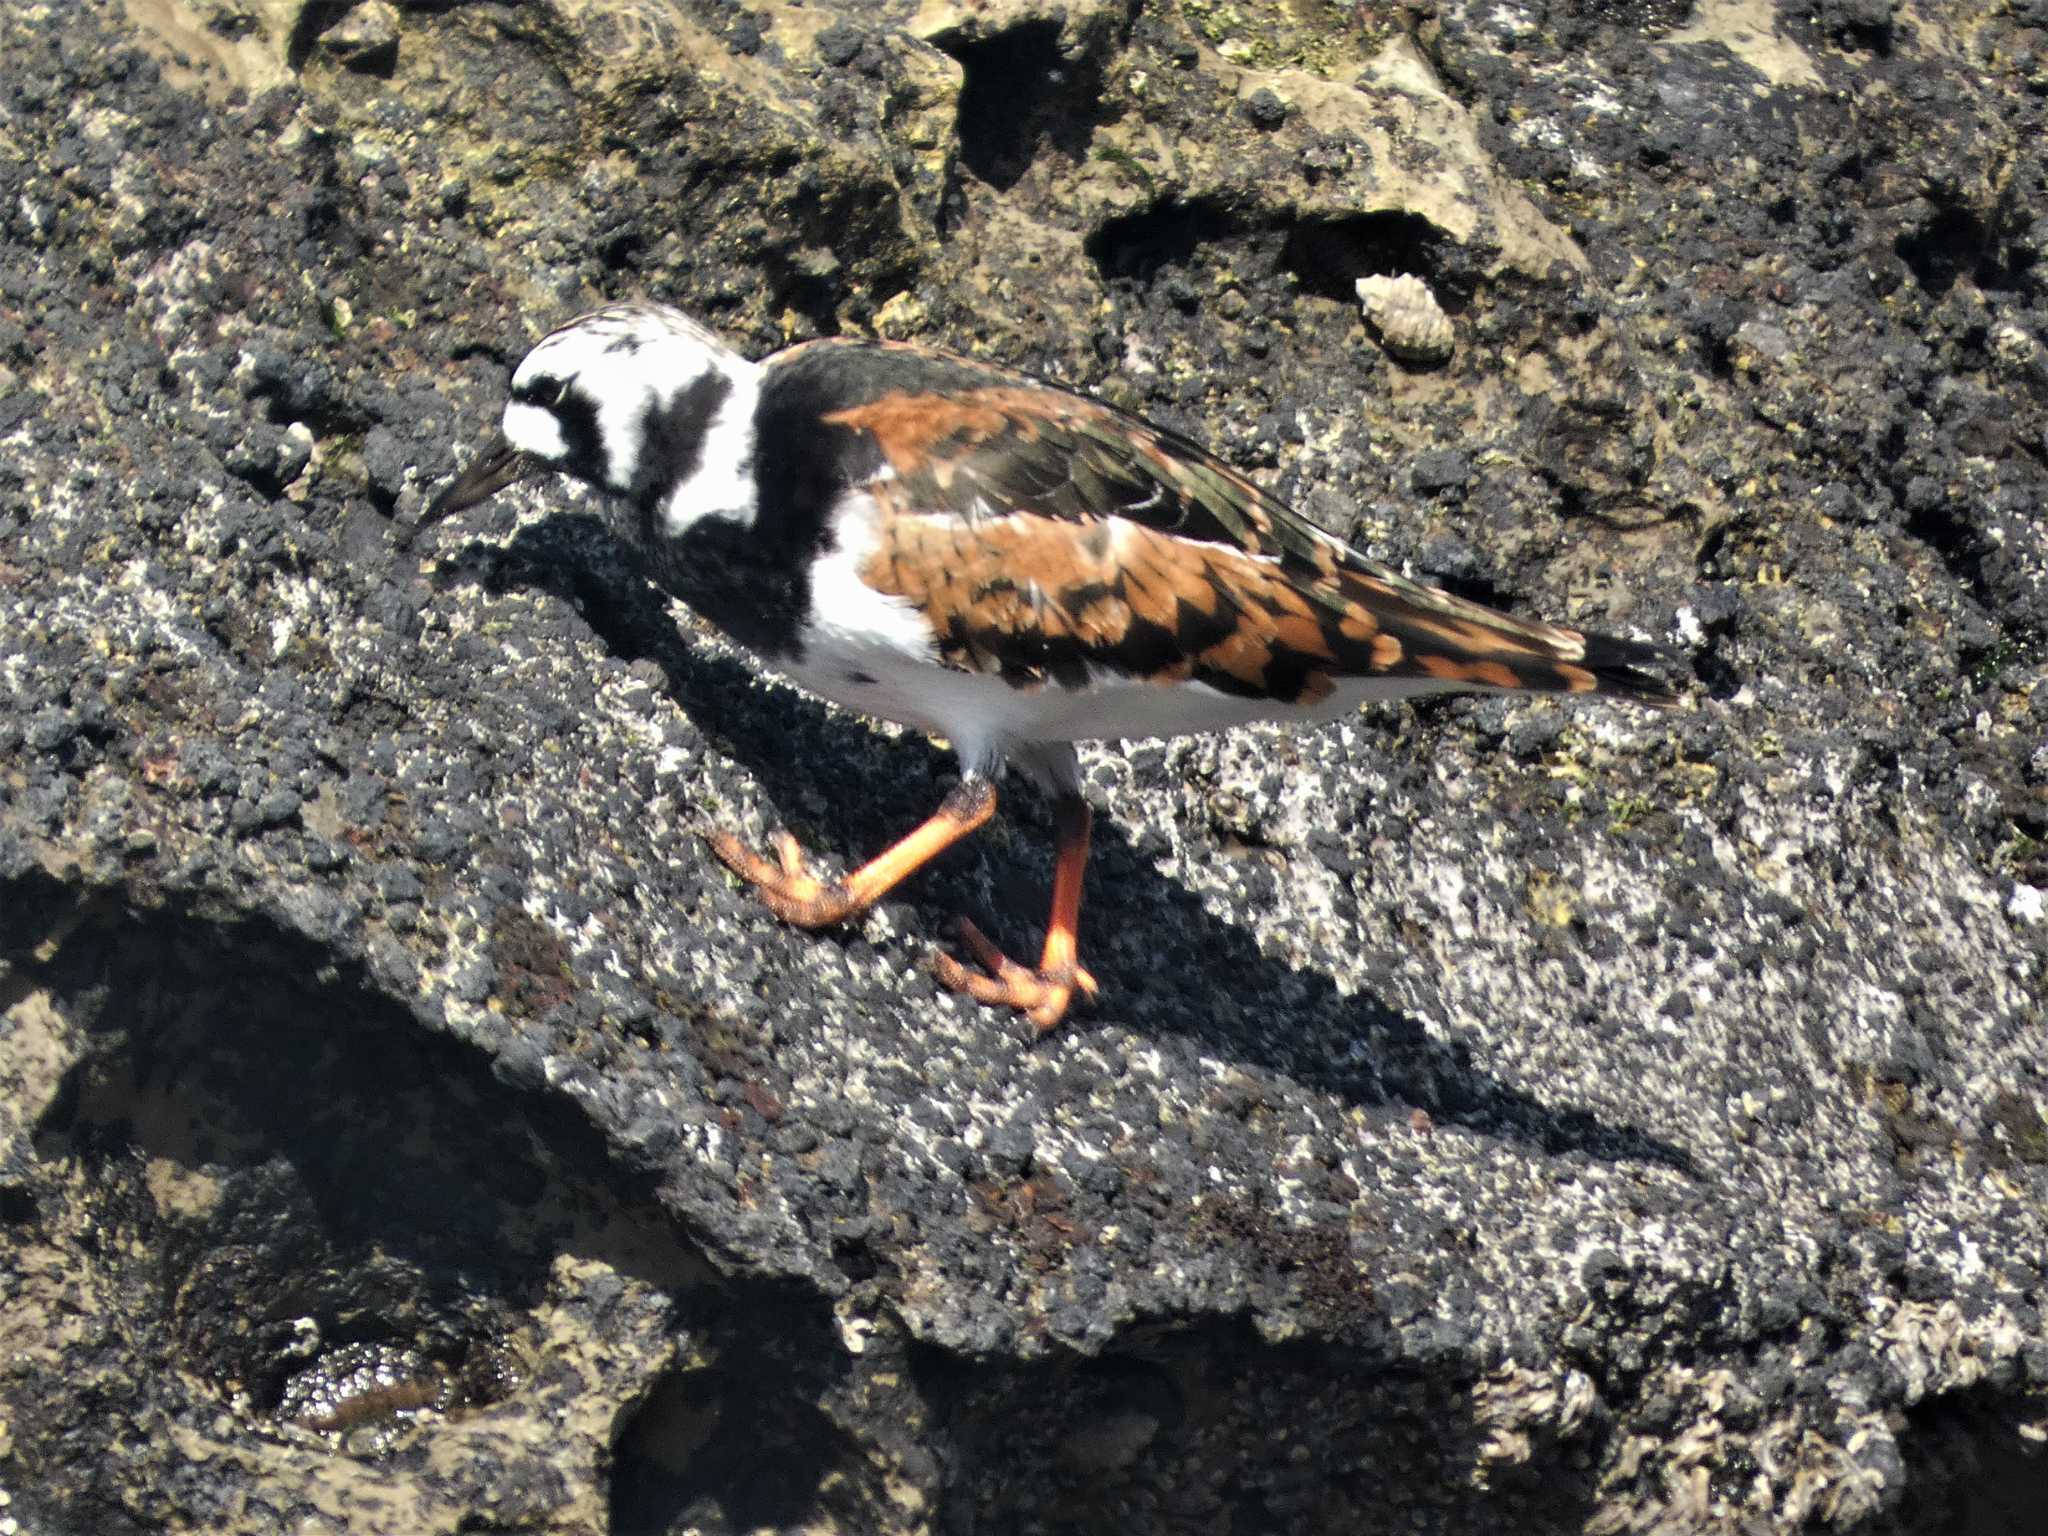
x=1412, y=326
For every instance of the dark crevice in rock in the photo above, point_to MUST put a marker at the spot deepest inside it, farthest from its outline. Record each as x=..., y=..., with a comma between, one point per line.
x=1952, y=243
x=1024, y=88
x=1959, y=532
x=742, y=1442
x=315, y=19
x=1330, y=255
x=313, y=1210
x=1960, y=544
x=1170, y=233
x=1853, y=25
x=834, y=243
x=1967, y=1473
x=1325, y=256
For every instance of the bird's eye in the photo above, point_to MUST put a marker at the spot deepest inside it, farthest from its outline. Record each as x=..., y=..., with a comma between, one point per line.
x=545, y=391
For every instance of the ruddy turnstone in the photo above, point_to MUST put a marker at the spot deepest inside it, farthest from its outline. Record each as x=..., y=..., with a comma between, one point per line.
x=991, y=559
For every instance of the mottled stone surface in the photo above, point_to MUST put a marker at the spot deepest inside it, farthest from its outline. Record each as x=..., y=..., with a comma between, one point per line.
x=1498, y=1116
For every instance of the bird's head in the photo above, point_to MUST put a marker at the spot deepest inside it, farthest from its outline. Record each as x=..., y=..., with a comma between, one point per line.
x=623, y=398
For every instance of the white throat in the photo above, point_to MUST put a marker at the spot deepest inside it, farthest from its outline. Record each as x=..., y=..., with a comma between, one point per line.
x=532, y=429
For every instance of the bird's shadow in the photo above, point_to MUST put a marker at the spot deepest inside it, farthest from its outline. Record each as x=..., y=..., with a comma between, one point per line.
x=1200, y=977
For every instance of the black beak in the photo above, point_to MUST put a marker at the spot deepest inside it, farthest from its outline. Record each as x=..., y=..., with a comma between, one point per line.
x=499, y=465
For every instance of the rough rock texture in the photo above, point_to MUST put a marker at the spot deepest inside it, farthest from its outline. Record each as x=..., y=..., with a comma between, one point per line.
x=1498, y=1117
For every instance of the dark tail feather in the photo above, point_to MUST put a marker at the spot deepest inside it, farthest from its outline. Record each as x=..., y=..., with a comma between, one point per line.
x=1627, y=669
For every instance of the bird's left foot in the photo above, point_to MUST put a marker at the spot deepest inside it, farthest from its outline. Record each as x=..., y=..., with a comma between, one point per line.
x=787, y=887
x=1042, y=995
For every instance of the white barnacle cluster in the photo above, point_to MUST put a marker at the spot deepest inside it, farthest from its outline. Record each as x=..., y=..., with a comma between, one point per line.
x=1411, y=324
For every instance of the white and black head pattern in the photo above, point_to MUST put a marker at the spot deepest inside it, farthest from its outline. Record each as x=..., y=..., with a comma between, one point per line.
x=640, y=401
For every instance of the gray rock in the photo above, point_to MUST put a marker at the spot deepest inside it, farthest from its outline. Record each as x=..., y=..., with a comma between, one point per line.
x=1497, y=1116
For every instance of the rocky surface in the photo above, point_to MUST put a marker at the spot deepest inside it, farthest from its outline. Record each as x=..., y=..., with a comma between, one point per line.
x=1497, y=1116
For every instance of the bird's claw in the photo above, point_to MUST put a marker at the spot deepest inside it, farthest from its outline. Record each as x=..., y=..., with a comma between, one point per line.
x=787, y=887
x=1042, y=996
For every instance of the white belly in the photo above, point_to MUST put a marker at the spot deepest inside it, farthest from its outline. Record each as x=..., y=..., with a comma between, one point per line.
x=988, y=719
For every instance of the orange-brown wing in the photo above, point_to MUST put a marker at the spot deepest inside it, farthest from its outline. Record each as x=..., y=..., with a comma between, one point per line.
x=1044, y=534
x=1036, y=599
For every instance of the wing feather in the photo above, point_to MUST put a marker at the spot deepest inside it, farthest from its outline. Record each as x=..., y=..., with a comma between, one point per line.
x=1047, y=536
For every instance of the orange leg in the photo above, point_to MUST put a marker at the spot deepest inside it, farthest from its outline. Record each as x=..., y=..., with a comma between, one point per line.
x=1041, y=995
x=797, y=896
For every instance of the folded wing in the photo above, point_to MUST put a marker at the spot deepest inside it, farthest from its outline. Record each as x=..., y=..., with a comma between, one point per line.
x=1046, y=536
